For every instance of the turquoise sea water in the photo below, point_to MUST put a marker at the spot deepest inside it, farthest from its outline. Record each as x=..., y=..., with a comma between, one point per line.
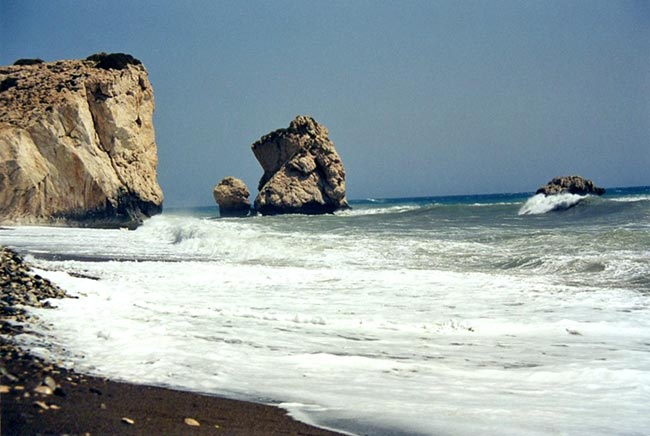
x=489, y=314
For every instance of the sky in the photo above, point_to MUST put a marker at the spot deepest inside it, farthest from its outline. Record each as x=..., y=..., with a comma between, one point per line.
x=421, y=98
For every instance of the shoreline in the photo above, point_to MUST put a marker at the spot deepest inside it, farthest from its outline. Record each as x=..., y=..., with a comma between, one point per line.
x=38, y=397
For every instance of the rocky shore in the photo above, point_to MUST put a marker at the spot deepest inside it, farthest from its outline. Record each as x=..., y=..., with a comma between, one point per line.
x=39, y=397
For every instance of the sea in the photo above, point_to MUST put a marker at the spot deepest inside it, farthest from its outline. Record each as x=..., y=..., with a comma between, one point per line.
x=505, y=314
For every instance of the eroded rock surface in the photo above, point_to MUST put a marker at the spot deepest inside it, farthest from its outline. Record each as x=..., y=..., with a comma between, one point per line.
x=572, y=185
x=77, y=143
x=303, y=173
x=231, y=194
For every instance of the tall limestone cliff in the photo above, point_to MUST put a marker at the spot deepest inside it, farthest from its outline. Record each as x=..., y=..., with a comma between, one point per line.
x=77, y=143
x=303, y=173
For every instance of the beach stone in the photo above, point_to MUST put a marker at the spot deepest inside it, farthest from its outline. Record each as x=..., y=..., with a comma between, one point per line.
x=49, y=381
x=77, y=144
x=41, y=405
x=570, y=184
x=303, y=173
x=231, y=194
x=192, y=422
x=43, y=390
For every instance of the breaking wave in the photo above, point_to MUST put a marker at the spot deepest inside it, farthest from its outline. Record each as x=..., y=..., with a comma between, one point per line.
x=540, y=203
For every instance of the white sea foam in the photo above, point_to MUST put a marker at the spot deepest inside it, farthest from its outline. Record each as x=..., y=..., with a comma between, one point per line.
x=355, y=211
x=540, y=203
x=416, y=331
x=631, y=198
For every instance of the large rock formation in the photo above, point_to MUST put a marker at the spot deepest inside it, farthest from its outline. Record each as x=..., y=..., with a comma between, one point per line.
x=231, y=195
x=77, y=143
x=572, y=185
x=303, y=173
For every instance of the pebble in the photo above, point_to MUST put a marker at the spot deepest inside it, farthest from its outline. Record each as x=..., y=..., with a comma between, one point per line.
x=43, y=390
x=6, y=373
x=49, y=381
x=128, y=421
x=41, y=405
x=192, y=422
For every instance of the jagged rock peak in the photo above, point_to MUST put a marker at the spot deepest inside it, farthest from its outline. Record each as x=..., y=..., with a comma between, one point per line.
x=77, y=143
x=274, y=149
x=570, y=184
x=231, y=194
x=303, y=173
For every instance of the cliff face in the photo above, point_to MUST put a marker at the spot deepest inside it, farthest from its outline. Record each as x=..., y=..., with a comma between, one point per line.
x=77, y=144
x=303, y=173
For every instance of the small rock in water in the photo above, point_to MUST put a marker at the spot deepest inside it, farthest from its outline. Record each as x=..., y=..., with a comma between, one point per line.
x=573, y=332
x=192, y=422
x=128, y=421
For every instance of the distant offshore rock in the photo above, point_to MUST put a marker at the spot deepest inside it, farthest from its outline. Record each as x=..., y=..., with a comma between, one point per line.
x=231, y=194
x=303, y=173
x=570, y=184
x=77, y=143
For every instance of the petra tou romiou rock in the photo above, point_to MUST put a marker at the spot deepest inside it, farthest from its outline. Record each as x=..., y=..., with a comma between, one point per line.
x=77, y=143
x=231, y=194
x=303, y=173
x=572, y=185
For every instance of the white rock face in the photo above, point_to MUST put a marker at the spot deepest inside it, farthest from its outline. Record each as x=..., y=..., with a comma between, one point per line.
x=77, y=145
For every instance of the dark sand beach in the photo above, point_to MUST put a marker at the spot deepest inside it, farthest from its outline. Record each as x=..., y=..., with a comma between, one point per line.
x=37, y=397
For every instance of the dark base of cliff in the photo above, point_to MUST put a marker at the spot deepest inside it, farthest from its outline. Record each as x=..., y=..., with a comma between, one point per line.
x=235, y=212
x=128, y=212
x=308, y=209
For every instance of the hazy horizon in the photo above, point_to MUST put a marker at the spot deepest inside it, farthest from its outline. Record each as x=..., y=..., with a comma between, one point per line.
x=421, y=98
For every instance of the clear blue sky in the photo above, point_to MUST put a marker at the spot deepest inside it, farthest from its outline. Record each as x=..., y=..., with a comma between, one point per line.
x=420, y=97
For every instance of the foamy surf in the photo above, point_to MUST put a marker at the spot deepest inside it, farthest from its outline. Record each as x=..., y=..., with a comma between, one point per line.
x=442, y=318
x=540, y=203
